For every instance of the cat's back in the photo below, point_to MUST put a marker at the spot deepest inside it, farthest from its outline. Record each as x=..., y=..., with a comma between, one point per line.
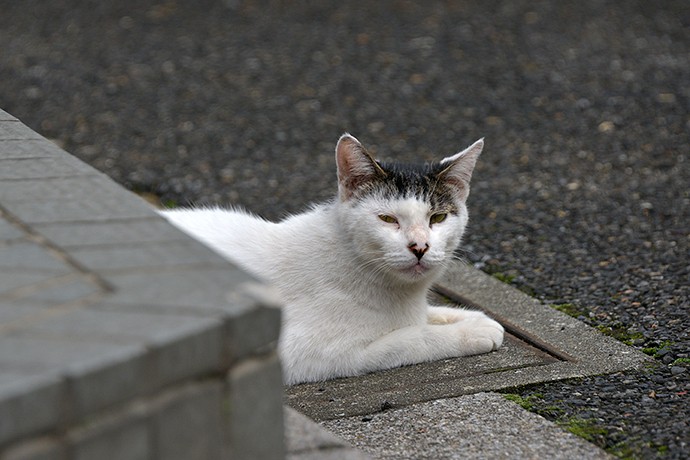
x=266, y=249
x=235, y=234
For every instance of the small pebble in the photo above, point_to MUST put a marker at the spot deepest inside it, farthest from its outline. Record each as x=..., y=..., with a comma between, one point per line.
x=677, y=370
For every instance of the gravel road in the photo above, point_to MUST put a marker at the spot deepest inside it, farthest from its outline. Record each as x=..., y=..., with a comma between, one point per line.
x=581, y=197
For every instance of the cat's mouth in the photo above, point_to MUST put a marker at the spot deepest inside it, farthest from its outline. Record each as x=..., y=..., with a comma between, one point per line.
x=417, y=270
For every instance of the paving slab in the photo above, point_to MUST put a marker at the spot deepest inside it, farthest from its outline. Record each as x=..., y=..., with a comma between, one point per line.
x=399, y=387
x=127, y=232
x=479, y=426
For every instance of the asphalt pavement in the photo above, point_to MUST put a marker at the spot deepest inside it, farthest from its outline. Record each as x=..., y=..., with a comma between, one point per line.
x=580, y=198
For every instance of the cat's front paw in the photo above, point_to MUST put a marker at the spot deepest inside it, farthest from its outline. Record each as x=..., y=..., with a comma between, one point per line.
x=449, y=315
x=481, y=334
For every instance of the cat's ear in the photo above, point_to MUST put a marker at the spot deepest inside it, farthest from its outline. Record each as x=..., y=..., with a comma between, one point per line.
x=459, y=167
x=356, y=166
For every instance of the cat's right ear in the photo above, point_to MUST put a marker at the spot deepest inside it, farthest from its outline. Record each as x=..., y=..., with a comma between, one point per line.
x=459, y=168
x=356, y=166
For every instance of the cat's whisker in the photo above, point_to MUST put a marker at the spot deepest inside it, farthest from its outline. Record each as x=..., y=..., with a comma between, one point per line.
x=464, y=253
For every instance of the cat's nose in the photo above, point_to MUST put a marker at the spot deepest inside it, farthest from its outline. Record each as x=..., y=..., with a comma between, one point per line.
x=418, y=250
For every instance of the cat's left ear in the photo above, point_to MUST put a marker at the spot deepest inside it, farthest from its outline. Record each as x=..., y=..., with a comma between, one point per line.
x=459, y=167
x=356, y=166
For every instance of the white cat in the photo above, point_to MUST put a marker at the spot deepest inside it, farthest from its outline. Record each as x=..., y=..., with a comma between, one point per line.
x=353, y=274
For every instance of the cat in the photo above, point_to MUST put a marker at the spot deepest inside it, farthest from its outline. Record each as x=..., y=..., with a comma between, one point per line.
x=353, y=274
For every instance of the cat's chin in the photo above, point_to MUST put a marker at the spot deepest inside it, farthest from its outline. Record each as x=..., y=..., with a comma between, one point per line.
x=417, y=272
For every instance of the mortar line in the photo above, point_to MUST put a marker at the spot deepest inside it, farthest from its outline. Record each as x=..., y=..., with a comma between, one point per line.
x=58, y=252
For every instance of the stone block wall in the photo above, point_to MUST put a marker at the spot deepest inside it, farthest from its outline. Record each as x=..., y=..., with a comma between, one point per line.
x=120, y=337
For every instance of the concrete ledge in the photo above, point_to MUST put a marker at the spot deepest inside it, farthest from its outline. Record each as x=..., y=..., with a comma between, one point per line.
x=580, y=349
x=119, y=335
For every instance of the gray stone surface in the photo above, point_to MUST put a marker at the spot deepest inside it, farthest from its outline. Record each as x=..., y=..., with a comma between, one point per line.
x=14, y=130
x=119, y=327
x=8, y=232
x=42, y=449
x=29, y=402
x=116, y=438
x=198, y=350
x=105, y=383
x=127, y=258
x=180, y=288
x=101, y=235
x=479, y=426
x=116, y=330
x=190, y=423
x=31, y=257
x=69, y=289
x=56, y=355
x=43, y=168
x=304, y=440
x=27, y=149
x=422, y=382
x=88, y=199
x=4, y=116
x=255, y=406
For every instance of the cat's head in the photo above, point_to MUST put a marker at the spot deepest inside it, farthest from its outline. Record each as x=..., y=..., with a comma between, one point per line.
x=405, y=220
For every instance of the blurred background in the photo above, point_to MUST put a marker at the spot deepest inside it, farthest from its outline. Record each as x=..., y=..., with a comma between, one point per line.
x=581, y=196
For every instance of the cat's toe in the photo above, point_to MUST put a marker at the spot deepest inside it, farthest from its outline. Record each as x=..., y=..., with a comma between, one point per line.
x=485, y=331
x=497, y=339
x=496, y=333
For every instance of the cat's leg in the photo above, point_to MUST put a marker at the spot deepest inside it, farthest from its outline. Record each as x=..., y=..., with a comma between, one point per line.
x=475, y=334
x=448, y=315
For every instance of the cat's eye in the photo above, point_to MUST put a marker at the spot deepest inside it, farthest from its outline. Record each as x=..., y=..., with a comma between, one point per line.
x=388, y=219
x=438, y=218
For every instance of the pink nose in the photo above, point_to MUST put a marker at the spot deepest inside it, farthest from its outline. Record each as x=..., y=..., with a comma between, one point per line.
x=418, y=250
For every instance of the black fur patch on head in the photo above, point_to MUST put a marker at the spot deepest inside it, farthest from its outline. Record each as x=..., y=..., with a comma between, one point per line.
x=414, y=180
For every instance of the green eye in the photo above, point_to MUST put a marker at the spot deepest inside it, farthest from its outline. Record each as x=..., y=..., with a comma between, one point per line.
x=388, y=219
x=438, y=218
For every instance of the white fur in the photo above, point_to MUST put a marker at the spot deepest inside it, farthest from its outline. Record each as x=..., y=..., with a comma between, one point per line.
x=354, y=295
